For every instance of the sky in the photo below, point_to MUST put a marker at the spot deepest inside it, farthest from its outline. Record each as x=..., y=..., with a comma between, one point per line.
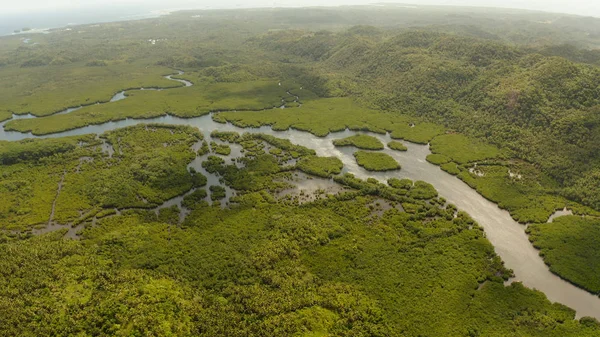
x=581, y=7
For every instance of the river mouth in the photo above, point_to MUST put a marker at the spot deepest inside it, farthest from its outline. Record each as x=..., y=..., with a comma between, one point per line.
x=508, y=237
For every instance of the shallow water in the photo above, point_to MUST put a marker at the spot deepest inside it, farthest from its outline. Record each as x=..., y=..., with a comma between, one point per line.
x=308, y=188
x=72, y=232
x=507, y=236
x=560, y=213
x=119, y=96
x=186, y=83
x=212, y=179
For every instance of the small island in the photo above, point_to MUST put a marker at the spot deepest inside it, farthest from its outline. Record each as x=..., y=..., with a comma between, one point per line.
x=364, y=142
x=397, y=146
x=222, y=149
x=217, y=192
x=323, y=167
x=376, y=161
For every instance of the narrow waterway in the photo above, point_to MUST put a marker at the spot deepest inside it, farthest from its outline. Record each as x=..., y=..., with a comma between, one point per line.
x=507, y=236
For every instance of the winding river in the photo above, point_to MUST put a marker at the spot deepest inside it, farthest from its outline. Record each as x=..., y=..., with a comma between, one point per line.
x=507, y=236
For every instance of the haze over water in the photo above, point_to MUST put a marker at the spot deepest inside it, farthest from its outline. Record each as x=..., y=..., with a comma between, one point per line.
x=38, y=14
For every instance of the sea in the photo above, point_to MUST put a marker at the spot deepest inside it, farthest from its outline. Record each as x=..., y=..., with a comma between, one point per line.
x=113, y=11
x=9, y=23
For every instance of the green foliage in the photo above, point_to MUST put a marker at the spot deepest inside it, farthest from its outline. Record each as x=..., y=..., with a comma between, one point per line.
x=263, y=267
x=267, y=267
x=44, y=90
x=360, y=141
x=198, y=179
x=27, y=193
x=375, y=161
x=568, y=245
x=169, y=215
x=37, y=149
x=451, y=168
x=322, y=116
x=320, y=166
x=284, y=144
x=226, y=136
x=438, y=159
x=279, y=270
x=261, y=172
x=397, y=146
x=213, y=163
x=461, y=150
x=72, y=177
x=194, y=199
x=402, y=184
x=422, y=190
x=523, y=196
x=584, y=189
x=5, y=115
x=222, y=149
x=217, y=192
x=68, y=281
x=193, y=101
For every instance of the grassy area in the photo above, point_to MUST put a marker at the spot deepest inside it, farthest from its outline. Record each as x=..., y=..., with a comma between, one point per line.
x=438, y=159
x=5, y=115
x=194, y=101
x=320, y=166
x=522, y=189
x=522, y=196
x=462, y=149
x=364, y=142
x=568, y=246
x=397, y=146
x=451, y=168
x=422, y=190
x=222, y=149
x=375, y=161
x=42, y=91
x=322, y=116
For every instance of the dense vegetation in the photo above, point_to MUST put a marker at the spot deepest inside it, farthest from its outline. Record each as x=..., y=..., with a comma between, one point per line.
x=221, y=149
x=267, y=266
x=569, y=246
x=70, y=180
x=5, y=115
x=322, y=116
x=320, y=166
x=397, y=146
x=505, y=105
x=217, y=192
x=360, y=141
x=376, y=161
x=192, y=101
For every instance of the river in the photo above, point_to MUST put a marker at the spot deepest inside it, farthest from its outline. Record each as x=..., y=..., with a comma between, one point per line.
x=507, y=236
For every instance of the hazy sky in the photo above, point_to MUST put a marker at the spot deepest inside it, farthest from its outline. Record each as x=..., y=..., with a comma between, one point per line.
x=582, y=7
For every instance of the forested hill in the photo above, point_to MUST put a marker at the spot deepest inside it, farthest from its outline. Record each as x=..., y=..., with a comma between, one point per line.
x=545, y=109
x=506, y=77
x=519, y=27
